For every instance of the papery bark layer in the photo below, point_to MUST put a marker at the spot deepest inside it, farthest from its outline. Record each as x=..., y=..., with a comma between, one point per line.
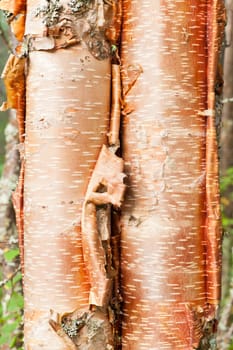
x=170, y=244
x=68, y=99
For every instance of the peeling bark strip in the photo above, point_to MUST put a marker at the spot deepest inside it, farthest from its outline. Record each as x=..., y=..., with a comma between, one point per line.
x=113, y=135
x=170, y=243
x=106, y=187
x=17, y=200
x=14, y=79
x=16, y=12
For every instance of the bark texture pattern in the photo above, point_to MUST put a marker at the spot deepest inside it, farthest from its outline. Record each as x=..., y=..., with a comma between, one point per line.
x=67, y=119
x=68, y=108
x=170, y=225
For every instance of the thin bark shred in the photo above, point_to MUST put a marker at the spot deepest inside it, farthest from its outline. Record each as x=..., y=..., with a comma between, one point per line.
x=16, y=10
x=170, y=216
x=113, y=135
x=17, y=199
x=15, y=7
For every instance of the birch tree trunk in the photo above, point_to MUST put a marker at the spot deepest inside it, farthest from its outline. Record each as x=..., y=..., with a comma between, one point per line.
x=170, y=239
x=170, y=246
x=67, y=118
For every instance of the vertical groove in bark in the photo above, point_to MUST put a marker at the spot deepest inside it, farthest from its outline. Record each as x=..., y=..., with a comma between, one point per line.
x=167, y=156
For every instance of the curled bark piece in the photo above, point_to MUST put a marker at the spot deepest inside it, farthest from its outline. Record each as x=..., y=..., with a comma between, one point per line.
x=17, y=199
x=14, y=79
x=17, y=9
x=66, y=26
x=18, y=26
x=113, y=135
x=113, y=32
x=105, y=187
x=13, y=6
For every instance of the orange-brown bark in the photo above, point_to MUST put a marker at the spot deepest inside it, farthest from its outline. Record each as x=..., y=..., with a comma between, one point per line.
x=67, y=132
x=14, y=79
x=13, y=6
x=68, y=107
x=170, y=224
x=17, y=10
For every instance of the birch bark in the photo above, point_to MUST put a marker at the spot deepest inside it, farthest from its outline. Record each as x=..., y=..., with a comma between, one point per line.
x=68, y=100
x=170, y=247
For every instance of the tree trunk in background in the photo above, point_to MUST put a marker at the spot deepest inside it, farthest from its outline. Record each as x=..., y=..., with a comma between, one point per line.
x=170, y=239
x=8, y=232
x=8, y=182
x=225, y=325
x=227, y=140
x=227, y=137
x=170, y=248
